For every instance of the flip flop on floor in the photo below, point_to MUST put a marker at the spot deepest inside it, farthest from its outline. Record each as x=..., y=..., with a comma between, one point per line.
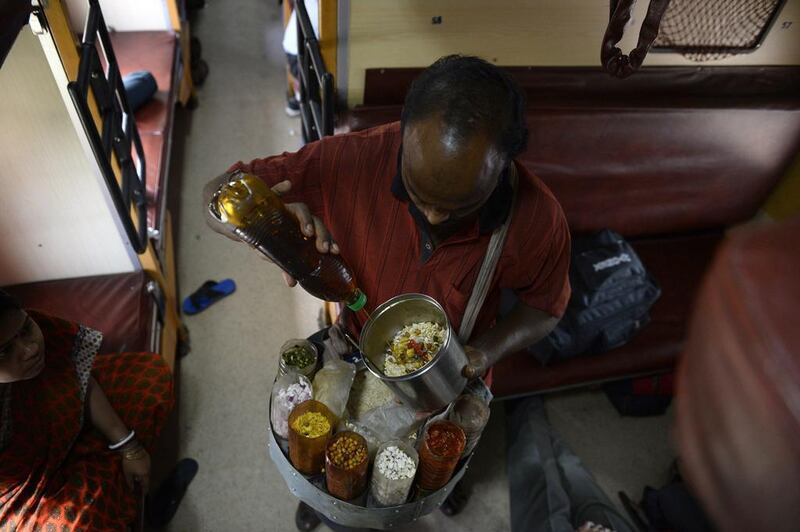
x=207, y=295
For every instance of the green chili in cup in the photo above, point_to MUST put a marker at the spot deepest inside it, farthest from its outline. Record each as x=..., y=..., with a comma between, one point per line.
x=298, y=356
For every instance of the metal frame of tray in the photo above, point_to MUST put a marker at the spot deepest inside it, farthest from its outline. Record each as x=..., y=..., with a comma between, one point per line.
x=353, y=515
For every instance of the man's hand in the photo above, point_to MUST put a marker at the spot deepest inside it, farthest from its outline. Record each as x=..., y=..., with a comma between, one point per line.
x=477, y=363
x=310, y=225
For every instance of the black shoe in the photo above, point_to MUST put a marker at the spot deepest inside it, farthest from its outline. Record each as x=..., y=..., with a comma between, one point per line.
x=199, y=72
x=162, y=505
x=305, y=518
x=456, y=501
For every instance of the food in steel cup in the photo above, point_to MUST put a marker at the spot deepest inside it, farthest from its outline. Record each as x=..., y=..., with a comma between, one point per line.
x=413, y=347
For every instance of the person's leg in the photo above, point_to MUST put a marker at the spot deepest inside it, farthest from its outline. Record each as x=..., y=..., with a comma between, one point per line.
x=587, y=499
x=292, y=105
x=457, y=500
x=537, y=499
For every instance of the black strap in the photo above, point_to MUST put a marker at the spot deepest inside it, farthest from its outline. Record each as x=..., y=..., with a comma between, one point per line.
x=614, y=61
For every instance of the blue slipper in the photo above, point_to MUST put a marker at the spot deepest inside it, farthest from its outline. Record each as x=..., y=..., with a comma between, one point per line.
x=207, y=295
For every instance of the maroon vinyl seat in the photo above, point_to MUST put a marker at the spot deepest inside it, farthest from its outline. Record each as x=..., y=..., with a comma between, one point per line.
x=157, y=53
x=654, y=350
x=670, y=158
x=122, y=306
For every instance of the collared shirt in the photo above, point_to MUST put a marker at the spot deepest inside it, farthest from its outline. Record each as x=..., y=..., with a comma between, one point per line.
x=346, y=180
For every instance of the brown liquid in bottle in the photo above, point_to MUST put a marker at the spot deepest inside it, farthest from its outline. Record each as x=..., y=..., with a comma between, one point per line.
x=259, y=218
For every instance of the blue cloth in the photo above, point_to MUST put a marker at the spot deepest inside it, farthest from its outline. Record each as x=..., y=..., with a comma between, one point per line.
x=140, y=87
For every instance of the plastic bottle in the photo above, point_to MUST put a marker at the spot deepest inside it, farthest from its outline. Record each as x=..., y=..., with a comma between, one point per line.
x=259, y=218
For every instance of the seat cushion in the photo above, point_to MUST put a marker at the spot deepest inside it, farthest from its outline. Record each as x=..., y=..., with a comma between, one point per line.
x=649, y=170
x=678, y=264
x=118, y=305
x=645, y=170
x=156, y=52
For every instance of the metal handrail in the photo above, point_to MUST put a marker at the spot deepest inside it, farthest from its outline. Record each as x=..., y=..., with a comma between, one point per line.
x=316, y=83
x=119, y=136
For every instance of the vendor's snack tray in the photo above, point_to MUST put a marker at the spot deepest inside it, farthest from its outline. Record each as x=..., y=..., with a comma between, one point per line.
x=311, y=489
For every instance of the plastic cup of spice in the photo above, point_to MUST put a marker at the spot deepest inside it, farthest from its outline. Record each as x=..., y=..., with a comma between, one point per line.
x=310, y=427
x=439, y=453
x=346, y=463
x=393, y=473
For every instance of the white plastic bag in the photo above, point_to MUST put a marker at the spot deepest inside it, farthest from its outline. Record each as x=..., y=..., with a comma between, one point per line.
x=393, y=421
x=333, y=382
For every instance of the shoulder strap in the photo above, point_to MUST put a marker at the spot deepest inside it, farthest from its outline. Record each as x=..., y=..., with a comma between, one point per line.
x=486, y=273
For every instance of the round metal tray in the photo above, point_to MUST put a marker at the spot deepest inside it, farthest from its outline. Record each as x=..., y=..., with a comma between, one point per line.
x=311, y=490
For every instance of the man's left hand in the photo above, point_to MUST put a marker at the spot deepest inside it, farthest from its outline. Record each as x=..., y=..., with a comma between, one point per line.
x=477, y=363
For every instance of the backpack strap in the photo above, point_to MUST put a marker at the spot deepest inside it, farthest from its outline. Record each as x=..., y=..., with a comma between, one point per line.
x=490, y=260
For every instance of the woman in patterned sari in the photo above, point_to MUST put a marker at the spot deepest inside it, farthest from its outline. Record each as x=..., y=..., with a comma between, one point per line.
x=68, y=458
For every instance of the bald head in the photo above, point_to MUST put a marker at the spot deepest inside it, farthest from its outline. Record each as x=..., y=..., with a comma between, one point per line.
x=462, y=122
x=448, y=175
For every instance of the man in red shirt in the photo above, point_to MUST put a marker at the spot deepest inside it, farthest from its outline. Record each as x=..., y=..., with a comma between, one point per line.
x=411, y=206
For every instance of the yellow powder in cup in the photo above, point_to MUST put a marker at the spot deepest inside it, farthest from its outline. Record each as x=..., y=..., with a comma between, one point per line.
x=311, y=425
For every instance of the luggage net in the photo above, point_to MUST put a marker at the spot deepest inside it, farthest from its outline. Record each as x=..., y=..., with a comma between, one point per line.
x=703, y=30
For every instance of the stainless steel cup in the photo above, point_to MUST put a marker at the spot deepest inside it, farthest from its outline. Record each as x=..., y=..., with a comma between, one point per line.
x=432, y=386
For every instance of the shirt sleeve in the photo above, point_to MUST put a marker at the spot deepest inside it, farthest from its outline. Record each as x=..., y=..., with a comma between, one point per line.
x=302, y=169
x=542, y=279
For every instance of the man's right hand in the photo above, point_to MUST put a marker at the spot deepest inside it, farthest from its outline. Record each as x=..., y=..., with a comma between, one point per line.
x=310, y=225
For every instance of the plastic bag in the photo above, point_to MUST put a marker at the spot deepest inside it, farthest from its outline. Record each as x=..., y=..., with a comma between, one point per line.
x=288, y=391
x=470, y=413
x=393, y=421
x=333, y=382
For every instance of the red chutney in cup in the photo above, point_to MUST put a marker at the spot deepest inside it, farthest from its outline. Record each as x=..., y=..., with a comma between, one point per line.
x=439, y=454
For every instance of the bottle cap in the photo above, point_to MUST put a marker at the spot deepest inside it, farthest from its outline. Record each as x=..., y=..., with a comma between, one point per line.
x=359, y=302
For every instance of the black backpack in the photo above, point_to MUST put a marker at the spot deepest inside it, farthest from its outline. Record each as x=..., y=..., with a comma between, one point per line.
x=611, y=296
